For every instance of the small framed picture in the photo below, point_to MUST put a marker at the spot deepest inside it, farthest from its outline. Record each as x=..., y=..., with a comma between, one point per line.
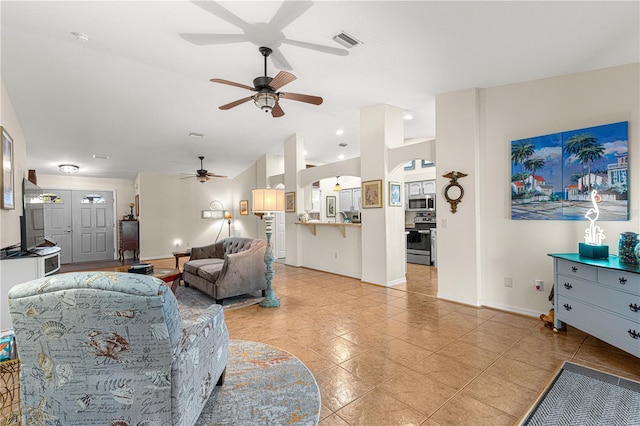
x=410, y=165
x=372, y=194
x=6, y=178
x=395, y=198
x=331, y=206
x=244, y=207
x=290, y=202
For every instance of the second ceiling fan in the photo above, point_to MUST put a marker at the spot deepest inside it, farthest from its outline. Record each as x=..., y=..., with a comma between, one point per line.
x=267, y=97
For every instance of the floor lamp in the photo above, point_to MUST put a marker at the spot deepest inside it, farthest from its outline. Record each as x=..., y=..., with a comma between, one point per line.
x=228, y=216
x=268, y=201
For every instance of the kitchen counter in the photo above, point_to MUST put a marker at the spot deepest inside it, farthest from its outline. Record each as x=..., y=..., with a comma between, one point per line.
x=340, y=225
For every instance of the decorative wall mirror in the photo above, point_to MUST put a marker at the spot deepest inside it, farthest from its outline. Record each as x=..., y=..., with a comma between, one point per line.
x=454, y=192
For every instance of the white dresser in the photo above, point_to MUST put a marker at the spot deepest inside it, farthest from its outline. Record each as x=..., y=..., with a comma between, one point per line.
x=600, y=297
x=20, y=269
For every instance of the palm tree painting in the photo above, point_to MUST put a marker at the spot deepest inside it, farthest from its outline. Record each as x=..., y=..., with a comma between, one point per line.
x=553, y=175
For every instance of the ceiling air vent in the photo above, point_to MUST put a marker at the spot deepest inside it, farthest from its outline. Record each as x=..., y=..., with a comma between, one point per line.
x=346, y=40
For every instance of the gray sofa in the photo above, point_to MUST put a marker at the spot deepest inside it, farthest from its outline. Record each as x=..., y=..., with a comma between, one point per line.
x=230, y=267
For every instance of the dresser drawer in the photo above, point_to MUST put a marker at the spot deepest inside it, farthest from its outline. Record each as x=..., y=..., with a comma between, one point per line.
x=618, y=331
x=577, y=270
x=618, y=302
x=622, y=280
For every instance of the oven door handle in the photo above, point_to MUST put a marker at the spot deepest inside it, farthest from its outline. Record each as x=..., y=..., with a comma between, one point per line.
x=424, y=232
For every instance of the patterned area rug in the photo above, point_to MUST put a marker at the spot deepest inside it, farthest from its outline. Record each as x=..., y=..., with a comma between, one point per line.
x=581, y=396
x=192, y=301
x=264, y=385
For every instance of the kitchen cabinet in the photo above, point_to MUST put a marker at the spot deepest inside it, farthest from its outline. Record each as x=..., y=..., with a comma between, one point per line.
x=600, y=297
x=415, y=188
x=350, y=199
x=422, y=187
x=428, y=187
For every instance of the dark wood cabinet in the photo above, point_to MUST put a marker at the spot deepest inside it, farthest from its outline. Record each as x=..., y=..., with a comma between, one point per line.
x=129, y=238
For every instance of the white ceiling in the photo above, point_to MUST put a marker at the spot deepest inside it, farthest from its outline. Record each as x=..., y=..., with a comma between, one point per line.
x=136, y=89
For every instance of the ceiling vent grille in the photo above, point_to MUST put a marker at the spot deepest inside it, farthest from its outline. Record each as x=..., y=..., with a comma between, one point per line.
x=346, y=40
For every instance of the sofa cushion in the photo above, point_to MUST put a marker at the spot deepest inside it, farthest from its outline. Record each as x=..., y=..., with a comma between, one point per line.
x=210, y=271
x=192, y=266
x=236, y=244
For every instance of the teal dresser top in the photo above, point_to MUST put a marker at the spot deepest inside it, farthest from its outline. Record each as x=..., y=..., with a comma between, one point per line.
x=613, y=262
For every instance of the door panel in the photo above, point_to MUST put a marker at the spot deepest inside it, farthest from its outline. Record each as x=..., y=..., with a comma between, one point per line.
x=57, y=222
x=93, y=228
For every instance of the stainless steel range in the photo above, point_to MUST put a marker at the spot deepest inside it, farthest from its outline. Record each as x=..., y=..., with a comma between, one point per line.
x=421, y=239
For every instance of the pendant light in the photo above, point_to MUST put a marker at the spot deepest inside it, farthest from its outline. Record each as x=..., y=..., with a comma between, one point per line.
x=337, y=187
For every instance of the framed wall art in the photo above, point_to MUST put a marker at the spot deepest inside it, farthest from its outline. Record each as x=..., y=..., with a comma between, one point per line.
x=552, y=176
x=394, y=194
x=8, y=189
x=331, y=206
x=372, y=194
x=290, y=202
x=244, y=207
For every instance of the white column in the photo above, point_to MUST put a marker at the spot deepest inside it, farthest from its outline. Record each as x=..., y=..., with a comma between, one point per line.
x=383, y=239
x=293, y=163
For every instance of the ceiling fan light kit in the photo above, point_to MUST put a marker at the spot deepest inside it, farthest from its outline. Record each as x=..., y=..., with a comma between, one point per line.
x=267, y=97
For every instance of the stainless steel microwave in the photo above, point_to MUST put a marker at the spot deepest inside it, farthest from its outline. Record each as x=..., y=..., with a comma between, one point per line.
x=421, y=202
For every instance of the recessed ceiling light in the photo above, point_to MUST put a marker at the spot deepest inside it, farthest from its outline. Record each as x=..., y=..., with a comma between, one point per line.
x=341, y=157
x=82, y=37
x=339, y=132
x=196, y=135
x=408, y=117
x=305, y=152
x=68, y=168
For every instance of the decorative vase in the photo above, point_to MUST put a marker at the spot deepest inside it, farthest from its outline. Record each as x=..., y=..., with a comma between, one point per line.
x=627, y=248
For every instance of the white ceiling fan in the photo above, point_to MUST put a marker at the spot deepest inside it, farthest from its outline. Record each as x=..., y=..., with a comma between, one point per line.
x=261, y=33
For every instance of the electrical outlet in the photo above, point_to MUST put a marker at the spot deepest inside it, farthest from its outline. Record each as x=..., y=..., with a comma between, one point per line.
x=445, y=223
x=539, y=285
x=508, y=282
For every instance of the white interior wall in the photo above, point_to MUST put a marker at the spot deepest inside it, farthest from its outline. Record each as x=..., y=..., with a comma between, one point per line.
x=10, y=219
x=457, y=150
x=518, y=248
x=243, y=184
x=170, y=213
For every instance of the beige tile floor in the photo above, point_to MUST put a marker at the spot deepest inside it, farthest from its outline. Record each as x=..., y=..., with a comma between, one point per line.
x=400, y=356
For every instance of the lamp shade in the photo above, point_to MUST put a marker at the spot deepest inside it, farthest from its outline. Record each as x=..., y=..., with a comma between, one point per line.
x=227, y=215
x=268, y=200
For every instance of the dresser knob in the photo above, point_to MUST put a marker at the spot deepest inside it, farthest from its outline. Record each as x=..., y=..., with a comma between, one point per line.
x=567, y=306
x=568, y=286
x=622, y=280
x=634, y=334
x=634, y=307
x=574, y=269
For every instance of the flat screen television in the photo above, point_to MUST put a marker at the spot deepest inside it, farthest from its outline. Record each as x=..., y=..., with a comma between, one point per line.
x=32, y=221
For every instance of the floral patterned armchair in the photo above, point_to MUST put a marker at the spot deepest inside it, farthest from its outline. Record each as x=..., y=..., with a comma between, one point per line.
x=110, y=348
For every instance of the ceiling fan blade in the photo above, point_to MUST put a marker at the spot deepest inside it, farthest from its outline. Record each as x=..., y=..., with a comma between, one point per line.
x=315, y=100
x=279, y=61
x=236, y=103
x=281, y=79
x=222, y=13
x=230, y=83
x=215, y=175
x=277, y=111
x=206, y=39
x=188, y=177
x=318, y=47
x=289, y=11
